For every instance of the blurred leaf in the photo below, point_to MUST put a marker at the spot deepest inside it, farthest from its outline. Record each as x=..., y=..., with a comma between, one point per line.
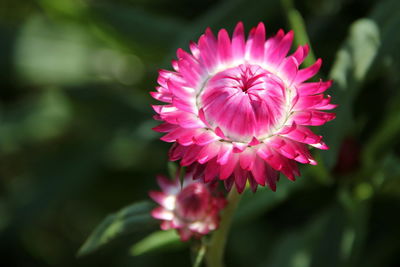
x=387, y=16
x=357, y=208
x=172, y=169
x=57, y=52
x=227, y=14
x=54, y=178
x=255, y=204
x=387, y=177
x=154, y=29
x=297, y=24
x=386, y=134
x=156, y=241
x=39, y=118
x=133, y=218
x=73, y=8
x=42, y=46
x=352, y=63
x=299, y=247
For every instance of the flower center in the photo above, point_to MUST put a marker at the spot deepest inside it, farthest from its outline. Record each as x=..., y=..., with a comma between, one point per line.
x=244, y=102
x=193, y=202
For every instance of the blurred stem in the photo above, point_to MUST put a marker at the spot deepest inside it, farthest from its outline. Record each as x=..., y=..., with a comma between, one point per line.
x=297, y=23
x=200, y=255
x=216, y=248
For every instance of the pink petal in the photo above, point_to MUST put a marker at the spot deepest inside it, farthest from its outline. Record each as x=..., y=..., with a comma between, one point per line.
x=165, y=128
x=283, y=48
x=307, y=73
x=162, y=214
x=289, y=68
x=211, y=171
x=303, y=134
x=313, y=117
x=314, y=87
x=208, y=152
x=227, y=169
x=224, y=46
x=176, y=152
x=224, y=153
x=190, y=155
x=207, y=46
x=256, y=42
x=240, y=179
x=168, y=186
x=301, y=53
x=238, y=42
x=206, y=137
x=247, y=159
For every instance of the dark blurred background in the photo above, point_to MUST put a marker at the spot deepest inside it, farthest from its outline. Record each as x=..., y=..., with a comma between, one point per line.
x=76, y=142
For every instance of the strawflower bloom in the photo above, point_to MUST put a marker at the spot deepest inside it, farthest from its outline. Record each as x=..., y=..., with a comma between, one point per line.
x=191, y=208
x=238, y=110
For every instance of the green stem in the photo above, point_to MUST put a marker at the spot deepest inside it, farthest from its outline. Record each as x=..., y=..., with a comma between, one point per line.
x=200, y=255
x=298, y=25
x=216, y=248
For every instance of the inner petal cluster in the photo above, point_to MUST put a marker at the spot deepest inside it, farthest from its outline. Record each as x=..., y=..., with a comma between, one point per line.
x=239, y=109
x=244, y=102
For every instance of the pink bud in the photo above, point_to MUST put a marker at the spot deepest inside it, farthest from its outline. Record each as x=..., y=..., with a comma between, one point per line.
x=193, y=202
x=192, y=209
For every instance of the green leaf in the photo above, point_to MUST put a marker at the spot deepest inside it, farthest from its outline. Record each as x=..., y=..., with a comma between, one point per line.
x=155, y=241
x=133, y=218
x=253, y=205
x=353, y=62
x=303, y=246
x=387, y=16
x=172, y=169
x=384, y=137
x=357, y=208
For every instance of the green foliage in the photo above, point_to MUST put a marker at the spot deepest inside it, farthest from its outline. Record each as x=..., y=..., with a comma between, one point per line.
x=155, y=241
x=133, y=218
x=352, y=63
x=76, y=144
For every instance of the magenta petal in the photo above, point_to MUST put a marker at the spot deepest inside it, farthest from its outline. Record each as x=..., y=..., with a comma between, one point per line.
x=228, y=183
x=165, y=128
x=314, y=87
x=191, y=155
x=313, y=117
x=301, y=53
x=271, y=177
x=289, y=68
x=257, y=45
x=224, y=154
x=227, y=169
x=205, y=138
x=240, y=179
x=238, y=42
x=239, y=109
x=253, y=183
x=258, y=171
x=224, y=46
x=208, y=152
x=158, y=197
x=211, y=171
x=283, y=47
x=247, y=159
x=307, y=73
x=162, y=214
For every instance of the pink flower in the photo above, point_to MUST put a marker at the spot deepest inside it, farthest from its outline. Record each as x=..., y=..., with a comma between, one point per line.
x=192, y=208
x=238, y=110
